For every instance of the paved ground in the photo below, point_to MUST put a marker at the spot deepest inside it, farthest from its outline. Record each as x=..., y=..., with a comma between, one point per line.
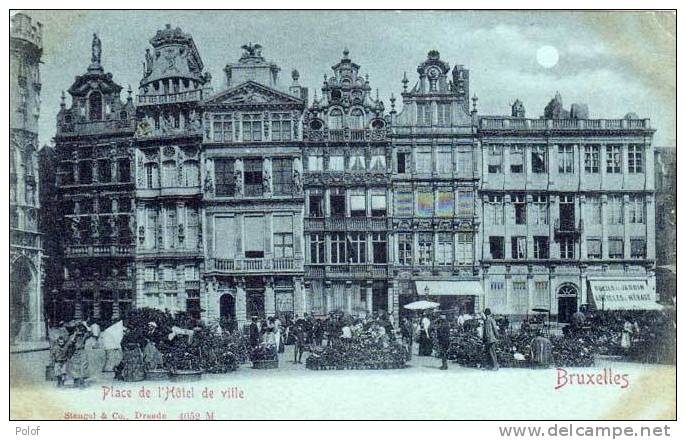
x=419, y=391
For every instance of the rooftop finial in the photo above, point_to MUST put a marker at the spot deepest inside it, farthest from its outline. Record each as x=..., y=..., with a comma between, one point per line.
x=295, y=75
x=63, y=99
x=474, y=100
x=346, y=52
x=405, y=81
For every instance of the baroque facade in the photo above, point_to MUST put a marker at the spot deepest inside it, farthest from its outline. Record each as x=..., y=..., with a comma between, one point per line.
x=94, y=183
x=167, y=144
x=252, y=201
x=252, y=195
x=435, y=180
x=346, y=152
x=26, y=252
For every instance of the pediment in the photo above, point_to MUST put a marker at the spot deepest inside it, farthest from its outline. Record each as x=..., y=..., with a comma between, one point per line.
x=252, y=93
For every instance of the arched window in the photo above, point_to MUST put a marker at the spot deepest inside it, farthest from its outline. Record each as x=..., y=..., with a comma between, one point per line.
x=191, y=173
x=335, y=119
x=152, y=175
x=356, y=119
x=95, y=106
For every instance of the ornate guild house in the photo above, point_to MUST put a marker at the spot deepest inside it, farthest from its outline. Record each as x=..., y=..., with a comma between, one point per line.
x=256, y=201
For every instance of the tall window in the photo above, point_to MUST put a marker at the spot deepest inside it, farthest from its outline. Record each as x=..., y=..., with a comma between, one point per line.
x=464, y=162
x=593, y=210
x=615, y=214
x=338, y=247
x=444, y=114
x=615, y=247
x=336, y=119
x=357, y=161
x=252, y=176
x=516, y=159
x=379, y=247
x=635, y=159
x=519, y=203
x=518, y=248
x=379, y=205
x=424, y=162
x=423, y=113
x=358, y=203
x=496, y=246
x=222, y=128
x=594, y=248
x=95, y=106
x=567, y=246
x=252, y=127
x=638, y=247
x=404, y=162
x=171, y=231
x=538, y=159
x=378, y=162
x=317, y=249
x=465, y=203
x=356, y=119
x=357, y=247
x=336, y=163
x=124, y=169
x=444, y=251
x=613, y=159
x=191, y=173
x=281, y=127
x=224, y=177
x=636, y=209
x=539, y=216
x=316, y=204
x=425, y=203
x=282, y=171
x=283, y=236
x=403, y=204
x=315, y=162
x=85, y=172
x=254, y=236
x=465, y=248
x=104, y=171
x=444, y=161
x=405, y=249
x=565, y=158
x=152, y=175
x=495, y=159
x=591, y=159
x=445, y=203
x=169, y=174
x=541, y=247
x=192, y=228
x=425, y=242
x=337, y=201
x=495, y=206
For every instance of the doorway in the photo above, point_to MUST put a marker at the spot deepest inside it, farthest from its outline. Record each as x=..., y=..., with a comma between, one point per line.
x=227, y=306
x=567, y=303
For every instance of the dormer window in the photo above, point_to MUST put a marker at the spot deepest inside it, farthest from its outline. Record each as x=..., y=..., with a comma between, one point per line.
x=95, y=106
x=335, y=95
x=336, y=119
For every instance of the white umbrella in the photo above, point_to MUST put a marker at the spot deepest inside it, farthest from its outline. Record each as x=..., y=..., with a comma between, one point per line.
x=421, y=305
x=112, y=336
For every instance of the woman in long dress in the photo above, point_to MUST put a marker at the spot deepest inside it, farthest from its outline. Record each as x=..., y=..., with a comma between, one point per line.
x=78, y=362
x=425, y=342
x=627, y=331
x=132, y=366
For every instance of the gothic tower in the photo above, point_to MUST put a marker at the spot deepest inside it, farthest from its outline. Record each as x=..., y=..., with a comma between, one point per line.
x=26, y=301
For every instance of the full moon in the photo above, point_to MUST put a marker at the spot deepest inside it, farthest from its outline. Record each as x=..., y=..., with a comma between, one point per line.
x=547, y=56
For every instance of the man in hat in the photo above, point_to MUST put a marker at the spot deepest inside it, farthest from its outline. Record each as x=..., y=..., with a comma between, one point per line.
x=299, y=334
x=443, y=338
x=60, y=356
x=490, y=338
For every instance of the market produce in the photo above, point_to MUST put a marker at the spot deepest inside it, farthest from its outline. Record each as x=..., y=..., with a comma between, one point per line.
x=365, y=351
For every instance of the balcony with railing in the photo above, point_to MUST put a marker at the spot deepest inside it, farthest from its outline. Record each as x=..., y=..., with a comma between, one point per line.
x=568, y=228
x=256, y=265
x=507, y=123
x=115, y=250
x=347, y=224
x=346, y=135
x=348, y=271
x=96, y=127
x=171, y=98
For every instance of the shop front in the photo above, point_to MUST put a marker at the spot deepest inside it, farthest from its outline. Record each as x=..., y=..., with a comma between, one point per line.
x=454, y=296
x=622, y=294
